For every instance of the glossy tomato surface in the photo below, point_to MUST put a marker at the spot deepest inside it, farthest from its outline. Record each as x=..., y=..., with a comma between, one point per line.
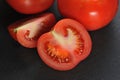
x=30, y=6
x=65, y=46
x=93, y=14
x=28, y=30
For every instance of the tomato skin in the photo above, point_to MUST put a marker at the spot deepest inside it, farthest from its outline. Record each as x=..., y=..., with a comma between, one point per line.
x=93, y=14
x=30, y=6
x=27, y=31
x=60, y=29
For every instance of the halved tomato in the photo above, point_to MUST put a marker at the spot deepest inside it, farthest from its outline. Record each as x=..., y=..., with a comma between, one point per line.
x=27, y=31
x=65, y=46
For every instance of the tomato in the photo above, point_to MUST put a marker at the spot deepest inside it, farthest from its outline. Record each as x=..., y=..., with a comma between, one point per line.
x=27, y=31
x=67, y=44
x=12, y=28
x=30, y=6
x=93, y=14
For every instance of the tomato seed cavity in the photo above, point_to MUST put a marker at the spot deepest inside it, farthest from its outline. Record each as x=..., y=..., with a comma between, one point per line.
x=58, y=54
x=27, y=33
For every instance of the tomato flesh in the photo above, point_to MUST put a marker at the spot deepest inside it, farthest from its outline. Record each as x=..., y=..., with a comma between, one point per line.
x=65, y=46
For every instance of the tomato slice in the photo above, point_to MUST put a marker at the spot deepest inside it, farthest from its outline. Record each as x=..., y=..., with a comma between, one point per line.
x=65, y=46
x=12, y=28
x=27, y=31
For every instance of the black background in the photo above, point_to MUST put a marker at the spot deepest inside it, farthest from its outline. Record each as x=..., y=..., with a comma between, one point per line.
x=19, y=63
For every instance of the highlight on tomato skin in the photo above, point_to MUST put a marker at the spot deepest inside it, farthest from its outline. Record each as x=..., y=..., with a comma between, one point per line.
x=65, y=46
x=27, y=31
x=30, y=6
x=93, y=14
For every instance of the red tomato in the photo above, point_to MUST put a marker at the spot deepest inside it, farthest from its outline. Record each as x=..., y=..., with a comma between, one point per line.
x=27, y=31
x=30, y=6
x=65, y=46
x=93, y=14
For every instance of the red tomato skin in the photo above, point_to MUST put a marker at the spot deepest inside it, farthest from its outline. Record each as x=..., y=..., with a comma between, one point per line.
x=93, y=14
x=75, y=59
x=18, y=33
x=30, y=6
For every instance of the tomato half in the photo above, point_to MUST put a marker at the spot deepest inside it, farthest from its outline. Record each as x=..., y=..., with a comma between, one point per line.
x=27, y=31
x=93, y=14
x=65, y=46
x=30, y=6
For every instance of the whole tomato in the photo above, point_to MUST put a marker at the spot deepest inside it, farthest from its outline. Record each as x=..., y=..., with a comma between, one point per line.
x=93, y=14
x=30, y=6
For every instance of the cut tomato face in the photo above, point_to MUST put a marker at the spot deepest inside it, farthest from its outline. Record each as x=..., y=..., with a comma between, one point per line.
x=65, y=46
x=93, y=14
x=30, y=6
x=26, y=32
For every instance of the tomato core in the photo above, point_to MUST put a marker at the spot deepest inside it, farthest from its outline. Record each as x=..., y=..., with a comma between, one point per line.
x=60, y=51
